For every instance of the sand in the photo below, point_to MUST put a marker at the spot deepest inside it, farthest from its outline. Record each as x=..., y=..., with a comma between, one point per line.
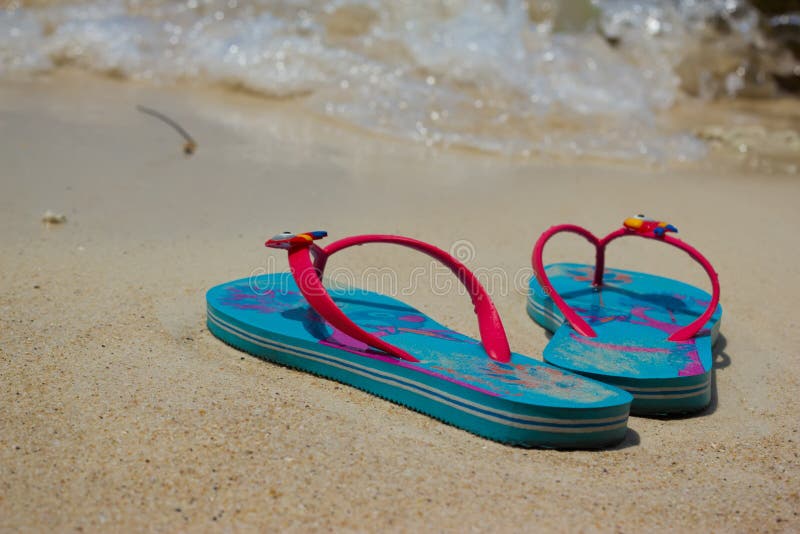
x=121, y=412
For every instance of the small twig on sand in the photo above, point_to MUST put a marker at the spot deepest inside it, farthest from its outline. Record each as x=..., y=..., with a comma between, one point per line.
x=190, y=145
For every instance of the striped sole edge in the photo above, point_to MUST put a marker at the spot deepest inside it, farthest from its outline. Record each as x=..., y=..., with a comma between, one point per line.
x=524, y=430
x=653, y=400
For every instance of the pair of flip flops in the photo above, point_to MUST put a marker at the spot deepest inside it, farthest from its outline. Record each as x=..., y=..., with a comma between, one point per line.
x=617, y=347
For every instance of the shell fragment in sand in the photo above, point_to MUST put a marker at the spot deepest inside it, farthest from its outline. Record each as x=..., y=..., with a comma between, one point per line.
x=50, y=217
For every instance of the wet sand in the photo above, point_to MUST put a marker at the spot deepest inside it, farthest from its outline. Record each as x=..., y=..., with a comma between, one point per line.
x=121, y=412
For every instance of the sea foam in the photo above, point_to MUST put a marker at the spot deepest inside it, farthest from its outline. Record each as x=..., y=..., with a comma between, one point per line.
x=511, y=77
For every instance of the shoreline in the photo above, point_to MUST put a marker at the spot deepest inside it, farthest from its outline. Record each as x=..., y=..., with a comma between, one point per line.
x=721, y=123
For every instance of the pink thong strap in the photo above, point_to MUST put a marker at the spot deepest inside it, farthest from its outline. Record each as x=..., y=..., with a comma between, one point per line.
x=635, y=226
x=307, y=275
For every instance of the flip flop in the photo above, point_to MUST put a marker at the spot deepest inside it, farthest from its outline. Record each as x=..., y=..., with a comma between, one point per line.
x=385, y=347
x=623, y=327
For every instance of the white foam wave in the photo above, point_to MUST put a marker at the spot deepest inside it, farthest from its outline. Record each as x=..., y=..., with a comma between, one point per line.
x=512, y=77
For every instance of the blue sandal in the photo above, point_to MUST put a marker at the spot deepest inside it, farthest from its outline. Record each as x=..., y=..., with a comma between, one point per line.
x=623, y=327
x=390, y=349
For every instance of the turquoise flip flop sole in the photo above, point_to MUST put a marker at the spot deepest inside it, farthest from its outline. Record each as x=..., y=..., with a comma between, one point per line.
x=525, y=402
x=633, y=314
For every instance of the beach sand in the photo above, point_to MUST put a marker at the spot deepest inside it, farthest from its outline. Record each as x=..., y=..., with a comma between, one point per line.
x=121, y=412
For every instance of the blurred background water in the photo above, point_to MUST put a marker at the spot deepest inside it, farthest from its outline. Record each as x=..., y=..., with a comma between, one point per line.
x=584, y=77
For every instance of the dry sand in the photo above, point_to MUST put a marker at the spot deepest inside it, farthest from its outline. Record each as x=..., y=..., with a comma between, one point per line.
x=121, y=412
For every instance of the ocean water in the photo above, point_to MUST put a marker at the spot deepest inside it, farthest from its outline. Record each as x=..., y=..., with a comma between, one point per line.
x=578, y=78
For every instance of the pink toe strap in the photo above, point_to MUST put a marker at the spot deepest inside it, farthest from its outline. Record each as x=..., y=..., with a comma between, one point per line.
x=635, y=226
x=307, y=275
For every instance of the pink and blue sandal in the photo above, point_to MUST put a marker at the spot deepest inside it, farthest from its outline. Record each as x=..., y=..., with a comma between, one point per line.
x=624, y=327
x=387, y=348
